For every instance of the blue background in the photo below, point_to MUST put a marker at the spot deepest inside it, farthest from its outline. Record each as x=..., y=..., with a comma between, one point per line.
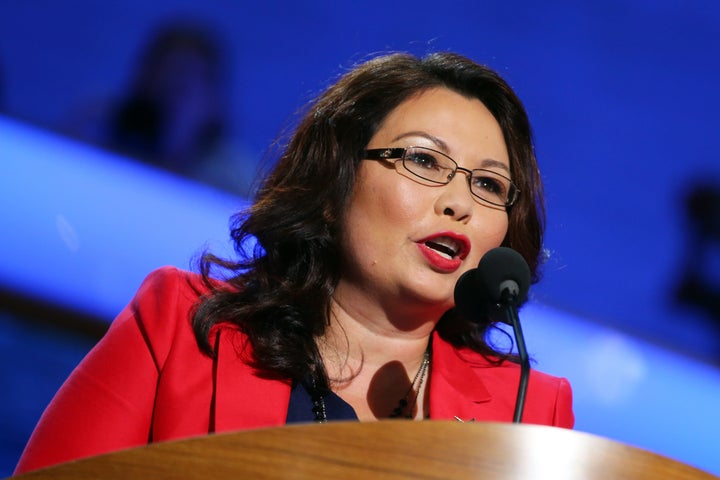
x=623, y=98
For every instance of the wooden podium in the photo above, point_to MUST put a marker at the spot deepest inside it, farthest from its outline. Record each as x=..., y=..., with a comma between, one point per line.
x=391, y=449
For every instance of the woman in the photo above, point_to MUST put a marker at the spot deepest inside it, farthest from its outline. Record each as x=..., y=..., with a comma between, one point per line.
x=397, y=180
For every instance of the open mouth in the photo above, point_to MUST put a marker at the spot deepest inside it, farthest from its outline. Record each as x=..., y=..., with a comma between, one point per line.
x=445, y=246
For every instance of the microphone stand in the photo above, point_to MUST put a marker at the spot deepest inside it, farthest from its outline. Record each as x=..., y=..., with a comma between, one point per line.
x=509, y=300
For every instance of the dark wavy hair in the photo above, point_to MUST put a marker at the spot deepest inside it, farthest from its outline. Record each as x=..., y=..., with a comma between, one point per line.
x=282, y=289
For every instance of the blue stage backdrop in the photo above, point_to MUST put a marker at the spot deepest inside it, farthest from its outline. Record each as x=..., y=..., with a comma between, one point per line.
x=622, y=96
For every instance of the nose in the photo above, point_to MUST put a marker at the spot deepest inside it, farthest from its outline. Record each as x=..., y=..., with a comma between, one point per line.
x=456, y=200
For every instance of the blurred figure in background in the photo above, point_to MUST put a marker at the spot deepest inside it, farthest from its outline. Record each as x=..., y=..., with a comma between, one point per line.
x=699, y=285
x=174, y=112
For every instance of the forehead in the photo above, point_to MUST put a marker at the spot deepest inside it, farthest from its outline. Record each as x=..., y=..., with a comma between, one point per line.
x=444, y=119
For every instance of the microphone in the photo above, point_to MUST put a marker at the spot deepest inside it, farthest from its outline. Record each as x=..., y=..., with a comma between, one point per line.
x=504, y=275
x=501, y=280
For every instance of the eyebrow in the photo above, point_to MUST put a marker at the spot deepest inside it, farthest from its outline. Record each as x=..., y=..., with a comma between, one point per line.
x=442, y=146
x=439, y=143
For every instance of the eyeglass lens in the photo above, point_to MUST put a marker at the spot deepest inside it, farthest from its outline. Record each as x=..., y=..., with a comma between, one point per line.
x=438, y=168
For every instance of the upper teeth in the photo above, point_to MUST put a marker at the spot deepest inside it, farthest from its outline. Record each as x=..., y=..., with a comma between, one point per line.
x=447, y=245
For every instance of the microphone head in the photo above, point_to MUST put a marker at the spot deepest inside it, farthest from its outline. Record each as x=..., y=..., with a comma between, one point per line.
x=479, y=291
x=470, y=301
x=504, y=275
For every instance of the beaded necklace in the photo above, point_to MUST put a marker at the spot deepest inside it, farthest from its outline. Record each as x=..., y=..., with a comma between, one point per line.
x=405, y=406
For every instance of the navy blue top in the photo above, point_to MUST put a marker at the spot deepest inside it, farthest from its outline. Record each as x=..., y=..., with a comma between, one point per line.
x=300, y=409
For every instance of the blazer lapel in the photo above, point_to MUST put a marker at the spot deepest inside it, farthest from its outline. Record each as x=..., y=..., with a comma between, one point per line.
x=242, y=398
x=456, y=386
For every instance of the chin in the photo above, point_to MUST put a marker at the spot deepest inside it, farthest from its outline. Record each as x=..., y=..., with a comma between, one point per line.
x=431, y=300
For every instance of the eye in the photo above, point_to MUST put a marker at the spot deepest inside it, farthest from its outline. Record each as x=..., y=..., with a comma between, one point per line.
x=484, y=183
x=422, y=160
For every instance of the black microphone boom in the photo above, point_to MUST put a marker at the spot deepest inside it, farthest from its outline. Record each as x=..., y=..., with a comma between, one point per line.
x=502, y=279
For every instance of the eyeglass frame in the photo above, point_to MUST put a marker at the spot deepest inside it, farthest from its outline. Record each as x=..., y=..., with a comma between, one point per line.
x=398, y=153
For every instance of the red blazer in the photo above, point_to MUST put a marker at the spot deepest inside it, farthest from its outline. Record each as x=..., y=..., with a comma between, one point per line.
x=147, y=381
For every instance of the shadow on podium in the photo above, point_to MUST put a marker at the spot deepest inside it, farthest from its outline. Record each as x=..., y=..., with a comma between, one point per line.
x=390, y=449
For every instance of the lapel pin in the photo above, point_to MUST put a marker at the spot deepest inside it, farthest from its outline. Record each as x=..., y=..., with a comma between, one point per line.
x=472, y=420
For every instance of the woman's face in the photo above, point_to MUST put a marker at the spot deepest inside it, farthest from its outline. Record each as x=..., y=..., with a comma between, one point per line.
x=406, y=243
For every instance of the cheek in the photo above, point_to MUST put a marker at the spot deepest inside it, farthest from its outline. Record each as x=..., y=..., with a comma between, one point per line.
x=490, y=233
x=372, y=213
x=394, y=202
x=407, y=203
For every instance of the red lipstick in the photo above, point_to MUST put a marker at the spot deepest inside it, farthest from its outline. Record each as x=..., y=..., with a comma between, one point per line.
x=445, y=250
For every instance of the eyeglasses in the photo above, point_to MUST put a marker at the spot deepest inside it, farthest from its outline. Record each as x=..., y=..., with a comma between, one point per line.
x=439, y=169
